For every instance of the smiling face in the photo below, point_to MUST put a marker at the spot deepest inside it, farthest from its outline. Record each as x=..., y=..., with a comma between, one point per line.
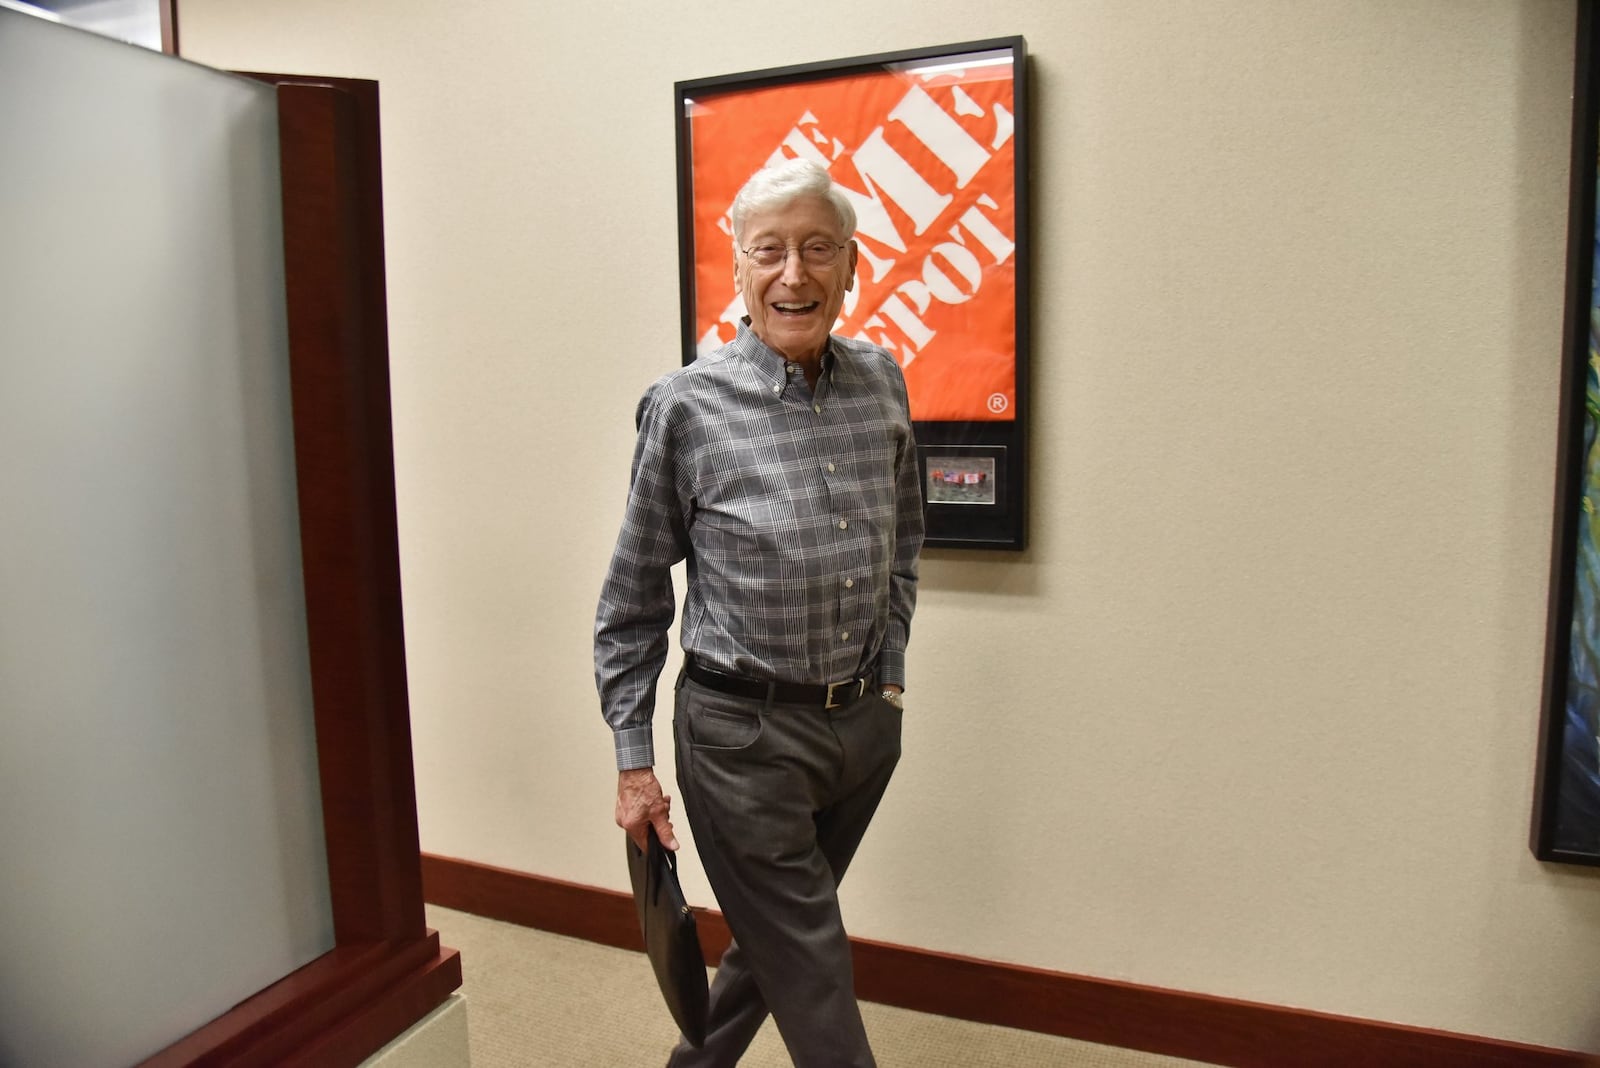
x=792, y=305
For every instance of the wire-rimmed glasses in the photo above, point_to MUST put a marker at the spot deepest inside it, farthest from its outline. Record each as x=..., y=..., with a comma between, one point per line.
x=812, y=253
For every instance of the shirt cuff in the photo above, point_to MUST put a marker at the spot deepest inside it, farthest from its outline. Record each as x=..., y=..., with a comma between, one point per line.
x=636, y=748
x=892, y=668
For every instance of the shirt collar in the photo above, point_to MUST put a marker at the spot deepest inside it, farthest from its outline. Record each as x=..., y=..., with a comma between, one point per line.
x=770, y=364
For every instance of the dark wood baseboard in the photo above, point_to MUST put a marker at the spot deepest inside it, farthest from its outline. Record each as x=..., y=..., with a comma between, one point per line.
x=1224, y=1031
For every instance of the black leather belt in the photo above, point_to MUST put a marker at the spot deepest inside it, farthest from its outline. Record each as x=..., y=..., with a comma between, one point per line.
x=823, y=695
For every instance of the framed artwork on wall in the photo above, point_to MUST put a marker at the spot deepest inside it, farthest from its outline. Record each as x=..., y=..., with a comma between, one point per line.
x=930, y=146
x=1566, y=818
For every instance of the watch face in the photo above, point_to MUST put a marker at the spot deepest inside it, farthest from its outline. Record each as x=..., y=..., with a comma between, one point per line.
x=893, y=698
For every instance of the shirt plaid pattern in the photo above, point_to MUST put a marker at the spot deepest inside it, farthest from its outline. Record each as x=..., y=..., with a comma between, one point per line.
x=800, y=517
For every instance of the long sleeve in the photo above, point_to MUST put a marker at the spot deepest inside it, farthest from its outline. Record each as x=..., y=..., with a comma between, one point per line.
x=636, y=600
x=908, y=534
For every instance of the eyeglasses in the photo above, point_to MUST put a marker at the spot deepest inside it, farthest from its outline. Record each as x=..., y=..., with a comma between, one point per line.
x=812, y=254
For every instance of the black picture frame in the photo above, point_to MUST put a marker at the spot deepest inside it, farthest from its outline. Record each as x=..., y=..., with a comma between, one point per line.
x=1566, y=810
x=985, y=220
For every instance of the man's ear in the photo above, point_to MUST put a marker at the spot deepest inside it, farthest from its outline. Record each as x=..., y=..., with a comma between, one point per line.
x=850, y=282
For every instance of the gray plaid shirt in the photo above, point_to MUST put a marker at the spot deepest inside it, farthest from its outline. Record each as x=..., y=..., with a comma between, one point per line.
x=800, y=518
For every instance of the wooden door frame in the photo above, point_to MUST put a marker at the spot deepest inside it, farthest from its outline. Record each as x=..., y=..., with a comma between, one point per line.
x=386, y=970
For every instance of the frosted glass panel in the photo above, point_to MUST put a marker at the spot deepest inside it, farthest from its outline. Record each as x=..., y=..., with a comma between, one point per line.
x=160, y=825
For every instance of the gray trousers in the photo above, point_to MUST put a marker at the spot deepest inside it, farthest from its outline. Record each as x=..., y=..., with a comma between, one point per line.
x=779, y=797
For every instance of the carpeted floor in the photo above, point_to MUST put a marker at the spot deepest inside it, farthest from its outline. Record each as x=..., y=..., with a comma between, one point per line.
x=538, y=1000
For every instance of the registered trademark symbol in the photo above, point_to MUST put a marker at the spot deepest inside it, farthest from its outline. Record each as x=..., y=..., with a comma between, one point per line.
x=998, y=402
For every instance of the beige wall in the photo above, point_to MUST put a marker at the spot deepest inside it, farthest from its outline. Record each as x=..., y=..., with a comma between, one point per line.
x=1255, y=715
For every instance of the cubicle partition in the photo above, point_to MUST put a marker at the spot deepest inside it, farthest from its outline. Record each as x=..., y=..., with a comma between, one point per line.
x=207, y=808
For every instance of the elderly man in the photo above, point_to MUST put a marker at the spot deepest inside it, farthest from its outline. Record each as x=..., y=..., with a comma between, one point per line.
x=782, y=467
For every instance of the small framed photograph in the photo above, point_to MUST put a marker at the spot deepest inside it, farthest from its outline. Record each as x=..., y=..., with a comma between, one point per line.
x=960, y=480
x=967, y=490
x=930, y=145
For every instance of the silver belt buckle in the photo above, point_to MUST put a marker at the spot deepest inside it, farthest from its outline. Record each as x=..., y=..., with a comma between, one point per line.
x=860, y=685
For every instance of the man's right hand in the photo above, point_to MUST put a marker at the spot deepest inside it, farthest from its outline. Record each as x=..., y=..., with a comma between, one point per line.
x=640, y=804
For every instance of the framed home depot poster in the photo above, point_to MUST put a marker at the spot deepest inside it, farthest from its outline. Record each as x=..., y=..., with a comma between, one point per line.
x=930, y=147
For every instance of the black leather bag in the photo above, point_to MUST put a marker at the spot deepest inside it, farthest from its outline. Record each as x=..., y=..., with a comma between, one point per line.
x=670, y=937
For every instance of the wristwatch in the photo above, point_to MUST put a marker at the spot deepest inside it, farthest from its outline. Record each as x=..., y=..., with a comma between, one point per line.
x=894, y=697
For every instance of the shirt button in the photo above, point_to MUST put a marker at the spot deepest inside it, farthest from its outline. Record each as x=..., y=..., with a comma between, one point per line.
x=777, y=389
x=848, y=583
x=830, y=469
x=844, y=524
x=817, y=408
x=844, y=636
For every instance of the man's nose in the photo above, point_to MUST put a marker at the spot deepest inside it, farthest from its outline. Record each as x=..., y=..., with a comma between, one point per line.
x=793, y=267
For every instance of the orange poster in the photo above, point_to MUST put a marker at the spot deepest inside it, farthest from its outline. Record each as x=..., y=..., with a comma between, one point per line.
x=925, y=152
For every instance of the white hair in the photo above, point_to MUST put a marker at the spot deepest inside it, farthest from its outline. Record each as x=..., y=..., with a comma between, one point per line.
x=783, y=183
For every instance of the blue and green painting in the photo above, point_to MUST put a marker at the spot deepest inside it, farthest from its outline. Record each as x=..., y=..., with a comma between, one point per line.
x=1578, y=814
